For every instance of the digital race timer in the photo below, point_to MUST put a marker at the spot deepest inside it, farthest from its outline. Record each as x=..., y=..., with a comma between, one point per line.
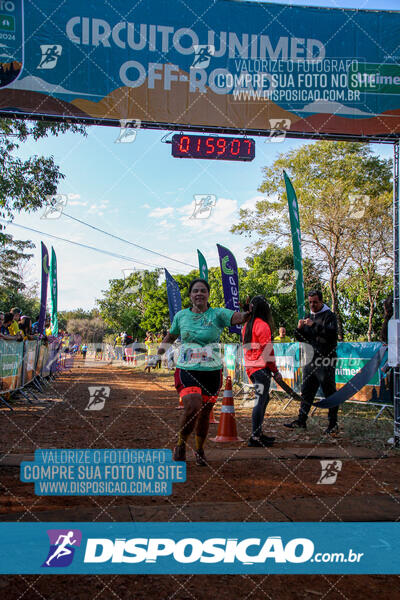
x=215, y=147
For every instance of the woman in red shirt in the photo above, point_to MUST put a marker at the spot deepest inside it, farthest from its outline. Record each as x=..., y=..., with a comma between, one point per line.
x=260, y=363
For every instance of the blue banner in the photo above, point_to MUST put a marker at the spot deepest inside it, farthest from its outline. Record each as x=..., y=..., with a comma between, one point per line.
x=203, y=63
x=207, y=548
x=362, y=378
x=174, y=295
x=230, y=282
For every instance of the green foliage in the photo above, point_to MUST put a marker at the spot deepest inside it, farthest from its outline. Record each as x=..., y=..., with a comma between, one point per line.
x=90, y=330
x=355, y=307
x=24, y=185
x=325, y=176
x=13, y=289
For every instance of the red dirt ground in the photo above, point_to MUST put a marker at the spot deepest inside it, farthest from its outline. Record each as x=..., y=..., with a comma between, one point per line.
x=240, y=484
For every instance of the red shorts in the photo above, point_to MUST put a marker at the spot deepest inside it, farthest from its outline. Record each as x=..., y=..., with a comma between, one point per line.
x=205, y=383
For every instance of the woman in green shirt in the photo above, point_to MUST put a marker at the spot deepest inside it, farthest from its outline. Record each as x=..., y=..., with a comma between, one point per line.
x=198, y=376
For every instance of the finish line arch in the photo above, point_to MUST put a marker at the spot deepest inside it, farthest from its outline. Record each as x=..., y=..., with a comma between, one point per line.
x=209, y=66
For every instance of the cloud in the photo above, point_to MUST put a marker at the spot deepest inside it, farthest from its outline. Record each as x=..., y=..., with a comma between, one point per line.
x=251, y=203
x=333, y=108
x=74, y=196
x=76, y=203
x=146, y=206
x=166, y=224
x=161, y=212
x=221, y=217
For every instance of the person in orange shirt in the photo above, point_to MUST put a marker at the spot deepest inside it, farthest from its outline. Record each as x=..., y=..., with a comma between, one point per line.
x=260, y=364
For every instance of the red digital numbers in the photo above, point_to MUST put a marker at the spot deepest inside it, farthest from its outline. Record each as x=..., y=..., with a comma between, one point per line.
x=215, y=147
x=210, y=145
x=235, y=147
x=248, y=142
x=184, y=143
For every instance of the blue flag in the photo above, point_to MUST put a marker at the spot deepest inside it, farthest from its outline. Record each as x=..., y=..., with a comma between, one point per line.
x=230, y=282
x=174, y=295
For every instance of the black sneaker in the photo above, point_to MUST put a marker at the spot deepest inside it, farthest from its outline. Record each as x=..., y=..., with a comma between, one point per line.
x=296, y=425
x=332, y=429
x=266, y=439
x=200, y=458
x=261, y=442
x=179, y=452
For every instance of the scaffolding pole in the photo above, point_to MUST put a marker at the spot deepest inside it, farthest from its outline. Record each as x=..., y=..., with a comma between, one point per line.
x=396, y=287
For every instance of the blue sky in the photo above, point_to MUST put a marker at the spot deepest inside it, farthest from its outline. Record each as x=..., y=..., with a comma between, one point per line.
x=139, y=192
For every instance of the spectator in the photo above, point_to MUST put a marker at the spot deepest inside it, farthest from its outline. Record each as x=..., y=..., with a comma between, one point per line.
x=48, y=330
x=35, y=326
x=26, y=328
x=319, y=329
x=14, y=326
x=282, y=338
x=5, y=329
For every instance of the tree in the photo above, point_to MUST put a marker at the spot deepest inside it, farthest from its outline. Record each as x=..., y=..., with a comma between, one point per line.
x=89, y=330
x=25, y=184
x=126, y=302
x=12, y=255
x=13, y=288
x=265, y=276
x=328, y=177
x=372, y=254
x=362, y=324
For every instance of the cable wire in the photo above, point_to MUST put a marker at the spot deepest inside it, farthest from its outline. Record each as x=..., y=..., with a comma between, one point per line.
x=128, y=258
x=127, y=241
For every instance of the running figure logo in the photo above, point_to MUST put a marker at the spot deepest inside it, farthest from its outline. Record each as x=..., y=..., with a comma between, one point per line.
x=128, y=131
x=98, y=397
x=330, y=471
x=202, y=56
x=50, y=55
x=54, y=206
x=278, y=129
x=203, y=205
x=62, y=547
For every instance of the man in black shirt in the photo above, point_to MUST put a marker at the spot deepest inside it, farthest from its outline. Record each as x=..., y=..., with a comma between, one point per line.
x=318, y=330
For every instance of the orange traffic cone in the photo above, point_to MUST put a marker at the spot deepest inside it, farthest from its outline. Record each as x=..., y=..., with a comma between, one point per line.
x=227, y=431
x=212, y=420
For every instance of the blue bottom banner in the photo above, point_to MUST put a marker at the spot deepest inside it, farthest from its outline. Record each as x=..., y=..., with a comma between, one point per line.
x=199, y=548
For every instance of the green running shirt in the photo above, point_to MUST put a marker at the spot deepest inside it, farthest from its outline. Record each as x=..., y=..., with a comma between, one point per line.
x=200, y=333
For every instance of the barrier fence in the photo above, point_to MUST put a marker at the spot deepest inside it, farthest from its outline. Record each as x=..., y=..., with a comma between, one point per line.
x=22, y=362
x=290, y=359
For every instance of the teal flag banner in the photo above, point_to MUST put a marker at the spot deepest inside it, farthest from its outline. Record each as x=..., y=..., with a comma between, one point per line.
x=53, y=293
x=296, y=241
x=202, y=266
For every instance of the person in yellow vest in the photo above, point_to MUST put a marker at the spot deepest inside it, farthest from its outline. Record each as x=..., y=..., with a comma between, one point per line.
x=118, y=346
x=14, y=327
x=282, y=337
